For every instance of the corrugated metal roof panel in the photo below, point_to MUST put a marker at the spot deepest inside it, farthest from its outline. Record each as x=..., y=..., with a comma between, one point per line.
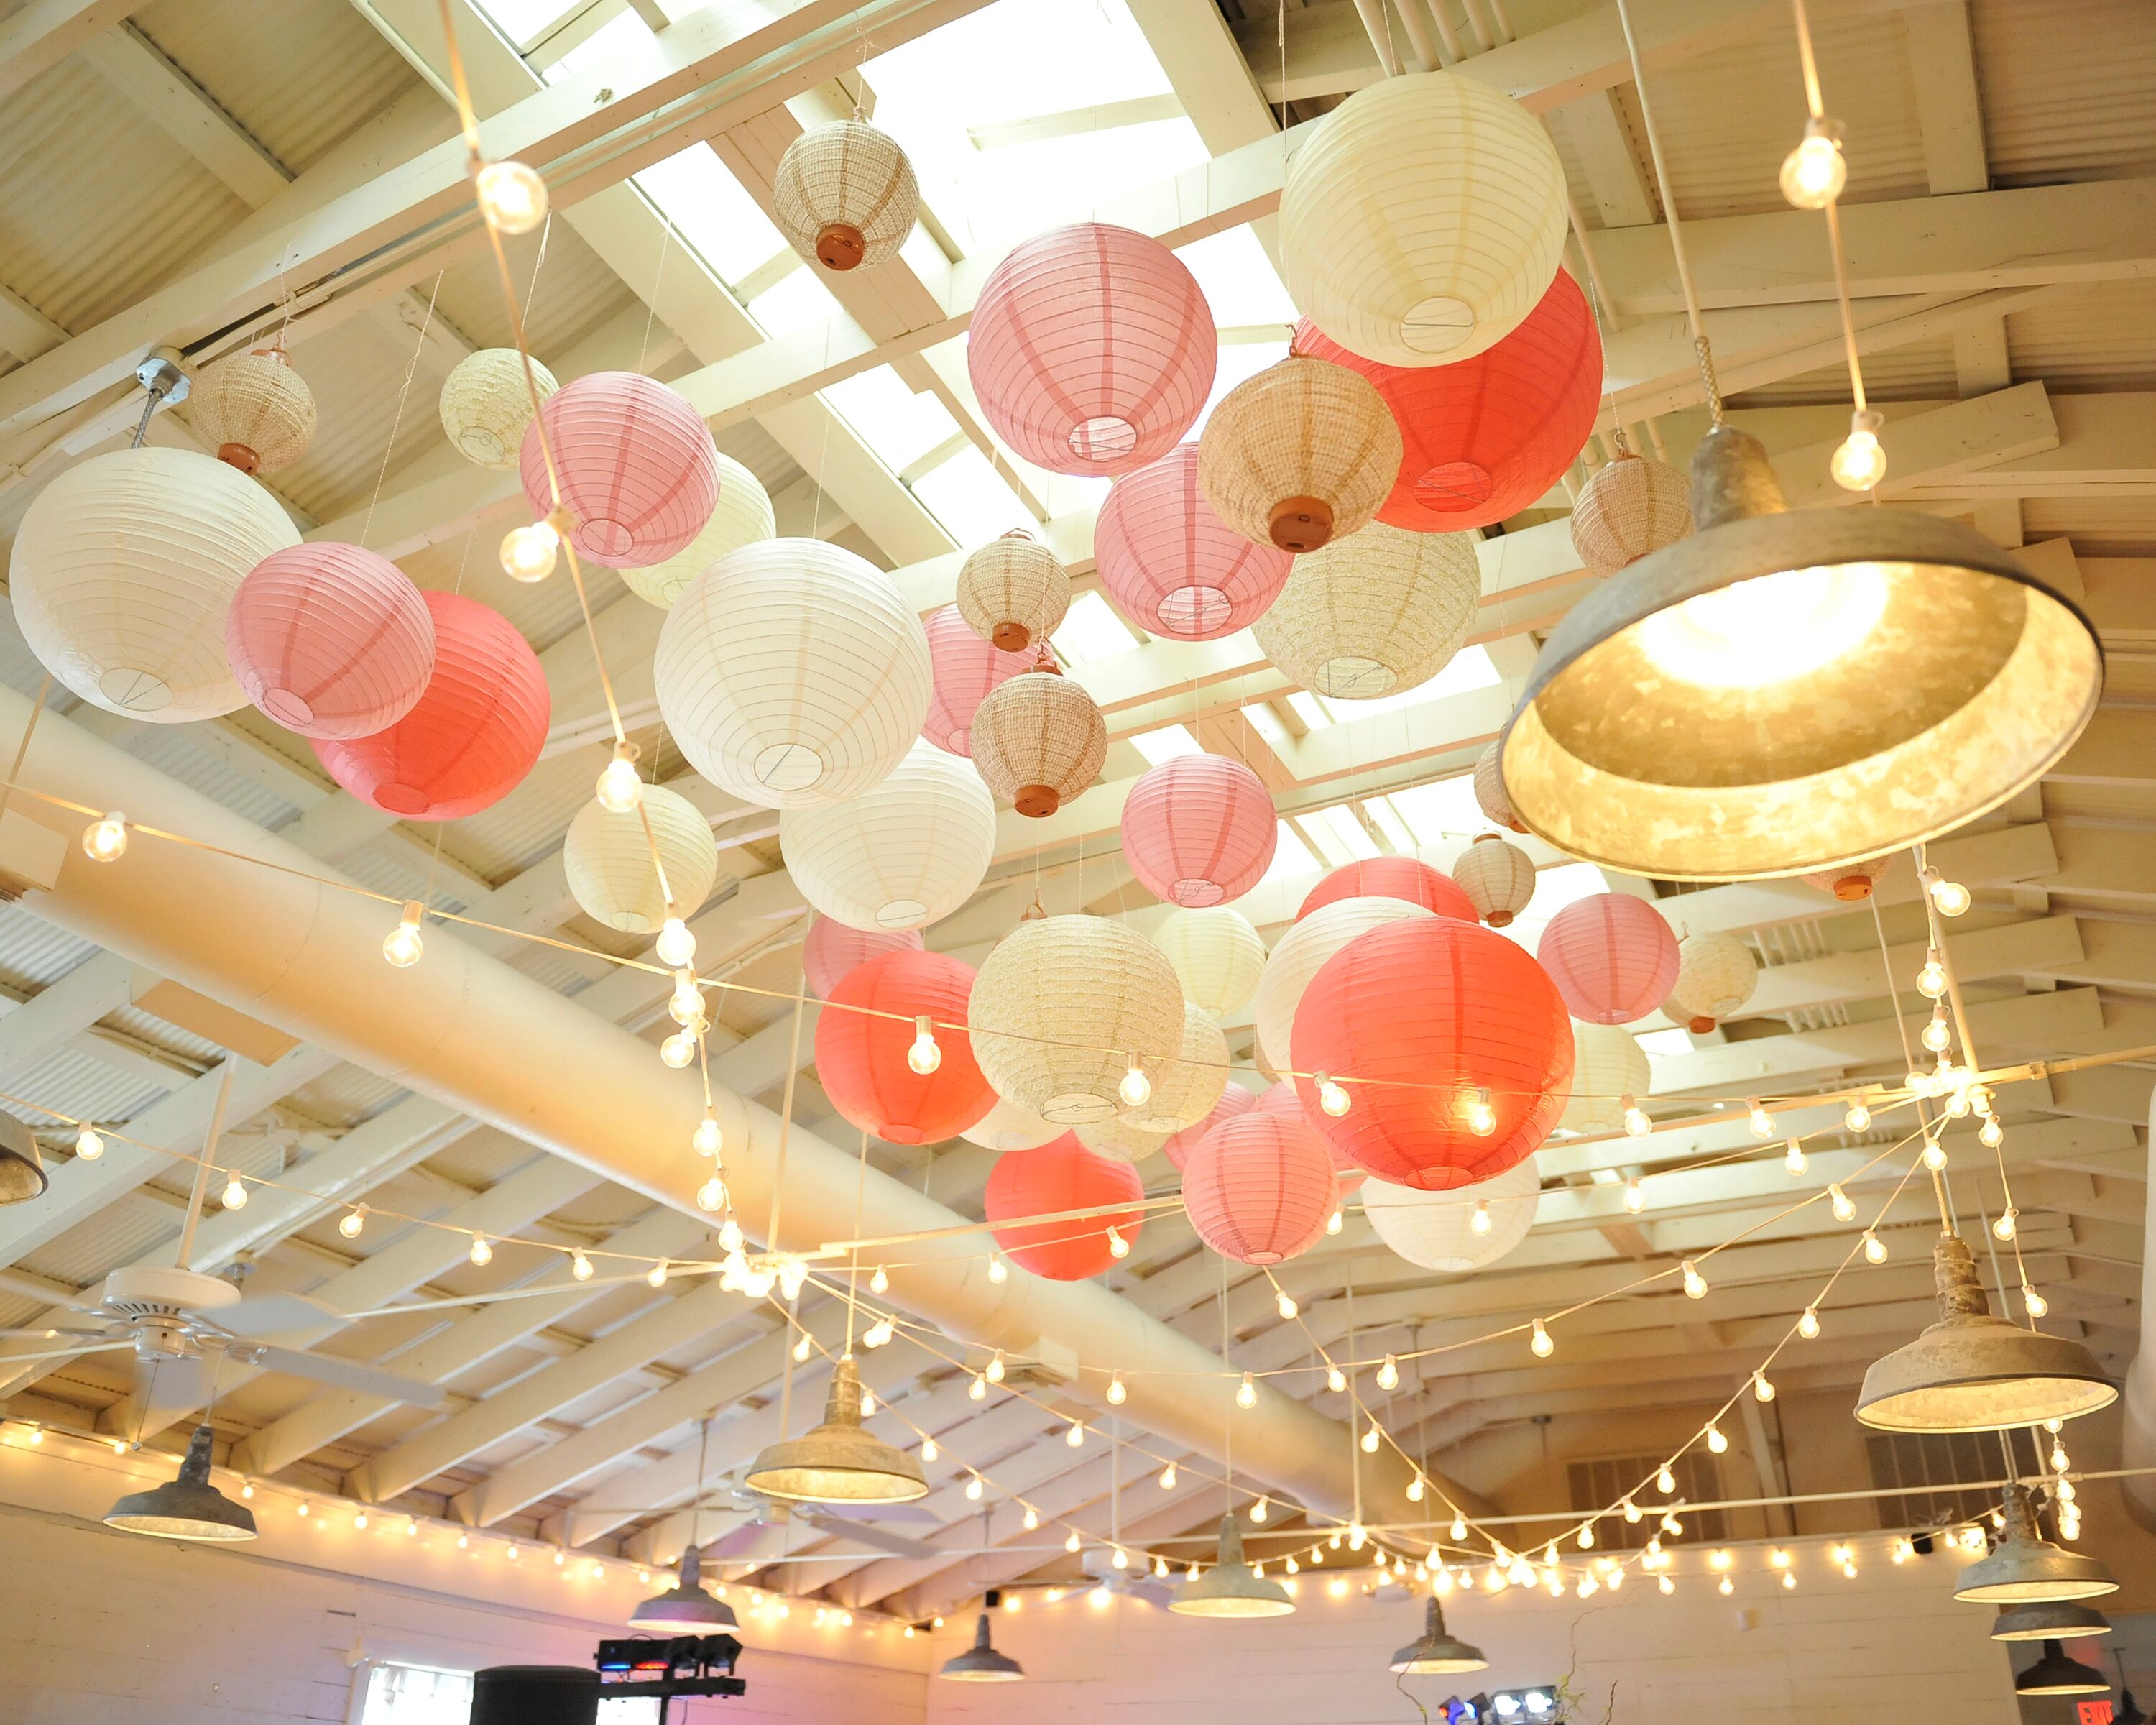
x=2067, y=91
x=1922, y=371
x=2105, y=527
x=168, y=748
x=572, y=292
x=34, y=952
x=2103, y=338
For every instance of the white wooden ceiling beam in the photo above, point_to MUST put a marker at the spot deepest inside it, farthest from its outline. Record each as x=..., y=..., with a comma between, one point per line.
x=40, y=33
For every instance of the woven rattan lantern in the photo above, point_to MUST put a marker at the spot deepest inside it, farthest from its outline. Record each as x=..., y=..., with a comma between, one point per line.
x=1186, y=1089
x=1497, y=878
x=254, y=410
x=486, y=405
x=904, y=852
x=967, y=668
x=1039, y=741
x=1441, y=1230
x=845, y=196
x=1423, y=221
x=330, y=639
x=1716, y=973
x=1632, y=506
x=1199, y=829
x=1172, y=565
x=1490, y=789
x=1077, y=1000
x=1217, y=953
x=1012, y=592
x=742, y=515
x=1375, y=612
x=635, y=464
x=1299, y=455
x=1608, y=1064
x=607, y=858
x=1301, y=954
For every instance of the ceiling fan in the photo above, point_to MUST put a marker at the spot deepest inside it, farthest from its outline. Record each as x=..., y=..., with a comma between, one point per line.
x=1139, y=1583
x=765, y=1536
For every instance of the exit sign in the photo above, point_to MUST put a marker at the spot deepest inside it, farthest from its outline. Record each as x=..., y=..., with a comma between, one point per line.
x=2093, y=1713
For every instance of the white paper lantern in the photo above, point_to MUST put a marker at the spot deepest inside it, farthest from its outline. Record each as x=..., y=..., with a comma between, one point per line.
x=1077, y=997
x=122, y=572
x=607, y=858
x=1423, y=220
x=741, y=516
x=486, y=405
x=1185, y=1089
x=793, y=674
x=1218, y=956
x=1377, y=612
x=1302, y=950
x=1008, y=1126
x=906, y=853
x=1435, y=1230
x=1497, y=878
x=1715, y=974
x=1121, y=1139
x=1608, y=1064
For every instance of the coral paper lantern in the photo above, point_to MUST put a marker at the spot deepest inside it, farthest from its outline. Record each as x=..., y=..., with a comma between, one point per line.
x=1490, y=789
x=861, y=1056
x=1612, y=957
x=608, y=858
x=742, y=515
x=1259, y=1188
x=1172, y=565
x=1462, y=1042
x=1039, y=740
x=1234, y=1099
x=1852, y=882
x=124, y=569
x=1423, y=220
x=845, y=196
x=1497, y=878
x=1402, y=877
x=1218, y=956
x=635, y=464
x=1632, y=506
x=1716, y=973
x=330, y=639
x=1299, y=955
x=1091, y=349
x=1199, y=829
x=833, y=950
x=967, y=669
x=1485, y=438
x=254, y=410
x=1378, y=612
x=793, y=673
x=1284, y=1100
x=1058, y=1177
x=486, y=405
x=1608, y=1064
x=904, y=852
x=1012, y=592
x=471, y=737
x=1436, y=1231
x=1299, y=455
x=1007, y=1127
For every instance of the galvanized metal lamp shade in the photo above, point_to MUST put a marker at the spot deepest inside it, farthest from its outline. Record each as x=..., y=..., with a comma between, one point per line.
x=2027, y=1568
x=838, y=1462
x=1788, y=691
x=22, y=1169
x=1440, y=1651
x=1973, y=1372
x=2049, y=1619
x=2054, y=1674
x=981, y=1663
x=1231, y=1588
x=187, y=1508
x=685, y=1608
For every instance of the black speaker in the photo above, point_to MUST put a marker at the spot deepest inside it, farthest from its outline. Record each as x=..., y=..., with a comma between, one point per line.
x=534, y=1695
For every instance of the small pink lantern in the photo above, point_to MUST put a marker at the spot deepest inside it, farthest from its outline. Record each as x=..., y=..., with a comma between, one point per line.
x=965, y=669
x=330, y=640
x=1091, y=349
x=833, y=951
x=637, y=467
x=1199, y=829
x=1234, y=1100
x=1612, y=957
x=1169, y=562
x=1259, y=1188
x=1401, y=877
x=1284, y=1100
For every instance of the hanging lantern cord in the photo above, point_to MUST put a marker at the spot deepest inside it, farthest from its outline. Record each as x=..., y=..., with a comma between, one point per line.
x=1909, y=1060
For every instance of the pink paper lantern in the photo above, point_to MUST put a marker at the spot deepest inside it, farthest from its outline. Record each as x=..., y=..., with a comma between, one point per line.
x=832, y=950
x=1172, y=565
x=1613, y=957
x=330, y=640
x=1199, y=829
x=1234, y=1100
x=1259, y=1189
x=966, y=670
x=1284, y=1100
x=1402, y=877
x=472, y=735
x=636, y=465
x=1091, y=349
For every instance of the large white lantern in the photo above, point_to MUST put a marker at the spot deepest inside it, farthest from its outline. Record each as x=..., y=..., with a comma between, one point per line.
x=1301, y=952
x=1423, y=221
x=906, y=853
x=1076, y=1000
x=1185, y=1089
x=1008, y=1126
x=122, y=572
x=609, y=860
x=1121, y=1139
x=1377, y=612
x=1608, y=1064
x=1715, y=974
x=793, y=674
x=1454, y=1232
x=742, y=515
x=1217, y=953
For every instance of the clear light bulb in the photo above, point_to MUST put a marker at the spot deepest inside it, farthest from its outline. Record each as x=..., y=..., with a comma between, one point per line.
x=1937, y=1035
x=998, y=1271
x=1540, y=1341
x=511, y=196
x=803, y=1348
x=1335, y=1222
x=1814, y=173
x=978, y=1390
x=1458, y=1530
x=1857, y=1117
x=1389, y=1373
x=707, y=1139
x=1636, y=1119
x=620, y=788
x=1934, y=1155
x=1715, y=1440
x=1479, y=1222
x=657, y=1275
x=88, y=1144
x=676, y=945
x=973, y=1489
x=1695, y=1284
x=1032, y=1518
x=730, y=1235
x=1807, y=1325
x=403, y=944
x=1761, y=1388
x=1665, y=1481
x=685, y=1005
x=1481, y=1116
x=879, y=1283
x=1370, y=1440
x=868, y=1402
x=2037, y=1305
x=1633, y=1512
x=1246, y=1393
x=1118, y=1247
x=1073, y=1544
x=679, y=1049
x=481, y=1252
x=1666, y=1584
x=1725, y=1587
x=924, y=1056
x=1762, y=1122
x=1286, y=1306
x=234, y=1195
x=1167, y=1477
x=1932, y=979
x=351, y=1221
x=1332, y=1097
x=1117, y=1395
x=1336, y=1380
x=1991, y=1134
x=580, y=1267
x=1635, y=1196
x=1858, y=463
x=1358, y=1535
x=528, y=552
x=1075, y=1436
x=1121, y=1558
x=1136, y=1089
x=106, y=840
x=2004, y=1228
x=1949, y=898
x=1794, y=1159
x=1844, y=1207
x=1415, y=1489
x=2060, y=1463
x=712, y=1195
x=1586, y=1540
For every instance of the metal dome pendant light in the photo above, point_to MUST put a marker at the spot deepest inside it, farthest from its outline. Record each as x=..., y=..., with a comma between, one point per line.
x=23, y=1174
x=685, y=1608
x=1231, y=1588
x=1787, y=691
x=1973, y=1372
x=2048, y=1621
x=2054, y=1674
x=837, y=1462
x=1439, y=1651
x=2027, y=1568
x=981, y=1663
x=187, y=1508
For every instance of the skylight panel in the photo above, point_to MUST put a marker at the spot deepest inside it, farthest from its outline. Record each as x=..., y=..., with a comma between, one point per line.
x=620, y=39
x=524, y=21
x=711, y=211
x=1091, y=630
x=795, y=301
x=1353, y=837
x=1331, y=852
x=1445, y=809
x=1239, y=360
x=1381, y=810
x=900, y=425
x=1238, y=279
x=973, y=502
x=1675, y=1040
x=1308, y=708
x=1470, y=670
x=1291, y=857
x=1166, y=744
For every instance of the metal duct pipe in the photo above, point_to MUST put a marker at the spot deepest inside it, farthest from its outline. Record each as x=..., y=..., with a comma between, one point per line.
x=2137, y=1441
x=469, y=1031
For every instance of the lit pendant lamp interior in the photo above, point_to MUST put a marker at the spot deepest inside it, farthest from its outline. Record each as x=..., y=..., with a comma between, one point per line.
x=1973, y=1372
x=837, y=1462
x=1439, y=1651
x=685, y=1608
x=187, y=1508
x=981, y=1663
x=22, y=1169
x=2054, y=1674
x=2027, y=1568
x=1231, y=1588
x=2049, y=1620
x=1716, y=712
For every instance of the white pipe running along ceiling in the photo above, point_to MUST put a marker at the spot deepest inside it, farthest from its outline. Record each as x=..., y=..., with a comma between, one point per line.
x=469, y=1031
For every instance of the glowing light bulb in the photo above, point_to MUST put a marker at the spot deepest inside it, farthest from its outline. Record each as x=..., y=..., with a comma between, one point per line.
x=403, y=944
x=679, y=1049
x=234, y=1195
x=1118, y=1247
x=620, y=788
x=1073, y=1544
x=924, y=1056
x=1875, y=1249
x=481, y=1253
x=1937, y=1034
x=359, y=1521
x=1167, y=1477
x=1808, y=1326
x=1633, y=1512
x=1666, y=1584
x=1117, y=1395
x=656, y=1275
x=676, y=945
x=707, y=1140
x=1136, y=1089
x=511, y=196
x=995, y=1372
x=1949, y=898
x=1761, y=1387
x=1481, y=1116
x=1334, y=1223
x=973, y=1489
x=1845, y=1210
x=2036, y=1304
x=351, y=1221
x=1814, y=173
x=2064, y=1490
x=1479, y=1222
x=1934, y=1155
x=1858, y=463
x=1075, y=1436
x=1794, y=1159
x=1991, y=1134
x=2060, y=1463
x=1932, y=979
x=1665, y=1481
x=998, y=1271
x=1032, y=1518
x=1358, y=1535
x=1389, y=1373
x=978, y=1390
x=1286, y=1306
x=1332, y=1097
x=1715, y=1440
x=528, y=552
x=580, y=1267
x=1415, y=1489
x=88, y=1144
x=2004, y=1227
x=1761, y=1122
x=1121, y=1558
x=879, y=1283
x=868, y=1402
x=1370, y=1440
x=1246, y=1393
x=1636, y=1119
x=685, y=1005
x=1635, y=1197
x=1336, y=1380
x=106, y=840
x=1695, y=1284
x=1857, y=1117
x=1540, y=1341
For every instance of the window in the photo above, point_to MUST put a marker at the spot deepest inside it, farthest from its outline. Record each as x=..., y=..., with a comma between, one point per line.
x=1596, y=1484
x=1946, y=1459
x=416, y=1695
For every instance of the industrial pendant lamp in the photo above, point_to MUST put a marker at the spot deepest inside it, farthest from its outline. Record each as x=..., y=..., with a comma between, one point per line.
x=1440, y=1651
x=838, y=1462
x=1231, y=1588
x=2049, y=1620
x=188, y=1507
x=1791, y=690
x=2025, y=1568
x=685, y=1608
x=22, y=1169
x=2054, y=1674
x=981, y=1663
x=1973, y=1372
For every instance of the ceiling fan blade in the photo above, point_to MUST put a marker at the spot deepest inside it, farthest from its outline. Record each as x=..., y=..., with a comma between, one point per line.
x=9, y=1359
x=751, y=1543
x=898, y=1545
x=1157, y=1593
x=293, y=1318
x=347, y=1374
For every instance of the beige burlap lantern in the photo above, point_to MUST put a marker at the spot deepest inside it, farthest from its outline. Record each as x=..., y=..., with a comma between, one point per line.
x=1063, y=1007
x=1039, y=740
x=253, y=411
x=486, y=405
x=845, y=196
x=1490, y=789
x=1631, y=507
x=1121, y=1139
x=1716, y=973
x=1852, y=882
x=607, y=858
x=1380, y=611
x=1012, y=592
x=1185, y=1089
x=742, y=515
x=1608, y=1064
x=1497, y=878
x=1217, y=953
x=1300, y=455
